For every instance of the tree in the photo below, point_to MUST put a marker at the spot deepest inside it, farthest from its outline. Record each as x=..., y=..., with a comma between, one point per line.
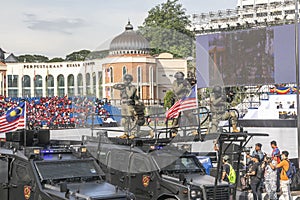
x=166, y=29
x=57, y=60
x=32, y=58
x=78, y=55
x=169, y=99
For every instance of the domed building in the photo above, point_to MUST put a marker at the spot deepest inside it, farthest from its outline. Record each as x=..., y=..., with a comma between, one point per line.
x=129, y=42
x=129, y=53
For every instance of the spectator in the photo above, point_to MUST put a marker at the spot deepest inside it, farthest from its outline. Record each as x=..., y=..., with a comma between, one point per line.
x=276, y=155
x=270, y=177
x=258, y=151
x=292, y=105
x=284, y=180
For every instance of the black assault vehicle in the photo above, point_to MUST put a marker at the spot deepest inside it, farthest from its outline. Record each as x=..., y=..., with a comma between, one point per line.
x=41, y=169
x=154, y=170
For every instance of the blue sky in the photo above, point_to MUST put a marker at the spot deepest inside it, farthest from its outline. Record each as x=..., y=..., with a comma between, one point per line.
x=55, y=28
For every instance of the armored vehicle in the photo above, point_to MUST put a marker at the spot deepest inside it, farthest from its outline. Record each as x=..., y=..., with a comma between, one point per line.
x=153, y=170
x=42, y=169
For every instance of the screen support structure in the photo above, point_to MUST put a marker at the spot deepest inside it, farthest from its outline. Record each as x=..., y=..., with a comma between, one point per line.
x=297, y=74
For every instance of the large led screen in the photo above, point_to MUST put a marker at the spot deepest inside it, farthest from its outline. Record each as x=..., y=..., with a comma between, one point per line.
x=246, y=57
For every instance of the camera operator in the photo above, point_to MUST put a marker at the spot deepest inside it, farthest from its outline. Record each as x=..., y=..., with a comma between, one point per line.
x=257, y=151
x=255, y=181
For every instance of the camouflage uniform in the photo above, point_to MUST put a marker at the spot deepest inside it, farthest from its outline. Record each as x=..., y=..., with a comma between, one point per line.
x=190, y=117
x=181, y=88
x=271, y=180
x=219, y=111
x=128, y=98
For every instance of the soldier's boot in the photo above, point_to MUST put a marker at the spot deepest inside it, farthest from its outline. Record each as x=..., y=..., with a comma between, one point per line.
x=124, y=136
x=132, y=136
x=173, y=134
x=234, y=129
x=194, y=132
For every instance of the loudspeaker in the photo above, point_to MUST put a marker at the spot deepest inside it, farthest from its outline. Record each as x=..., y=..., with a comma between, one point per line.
x=18, y=136
x=43, y=136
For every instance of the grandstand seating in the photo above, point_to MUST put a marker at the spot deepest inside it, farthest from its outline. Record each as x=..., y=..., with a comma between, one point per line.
x=63, y=112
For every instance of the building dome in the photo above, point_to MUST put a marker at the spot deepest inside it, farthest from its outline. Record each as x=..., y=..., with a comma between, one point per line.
x=129, y=42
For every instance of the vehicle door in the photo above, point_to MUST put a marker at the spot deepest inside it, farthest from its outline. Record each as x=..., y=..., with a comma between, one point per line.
x=143, y=180
x=20, y=181
x=118, y=166
x=4, y=187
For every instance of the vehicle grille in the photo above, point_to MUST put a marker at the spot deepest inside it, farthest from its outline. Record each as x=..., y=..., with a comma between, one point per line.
x=222, y=193
x=120, y=198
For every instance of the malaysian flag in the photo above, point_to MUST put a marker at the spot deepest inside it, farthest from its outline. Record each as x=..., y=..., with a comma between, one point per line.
x=15, y=118
x=186, y=103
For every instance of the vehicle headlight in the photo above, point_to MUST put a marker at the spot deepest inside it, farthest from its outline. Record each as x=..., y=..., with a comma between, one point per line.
x=196, y=194
x=193, y=193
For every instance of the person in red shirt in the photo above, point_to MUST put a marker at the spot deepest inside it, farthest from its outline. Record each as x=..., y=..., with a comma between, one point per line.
x=284, y=180
x=276, y=155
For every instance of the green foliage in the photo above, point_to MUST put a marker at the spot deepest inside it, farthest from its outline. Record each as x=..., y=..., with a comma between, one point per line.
x=57, y=60
x=169, y=99
x=166, y=29
x=97, y=54
x=32, y=58
x=78, y=55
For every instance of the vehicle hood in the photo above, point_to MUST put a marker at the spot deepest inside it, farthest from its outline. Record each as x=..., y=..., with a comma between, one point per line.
x=95, y=191
x=195, y=179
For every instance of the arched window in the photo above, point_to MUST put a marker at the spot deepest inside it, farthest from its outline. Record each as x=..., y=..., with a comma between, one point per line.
x=38, y=86
x=139, y=82
x=124, y=71
x=61, y=85
x=26, y=86
x=88, y=83
x=94, y=83
x=80, y=84
x=111, y=74
x=100, y=79
x=71, y=90
x=151, y=82
x=50, y=85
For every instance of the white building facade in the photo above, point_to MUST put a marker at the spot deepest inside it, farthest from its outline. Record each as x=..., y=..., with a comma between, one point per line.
x=128, y=53
x=246, y=14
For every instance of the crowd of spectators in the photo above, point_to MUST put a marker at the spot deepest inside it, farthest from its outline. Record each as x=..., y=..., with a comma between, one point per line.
x=57, y=112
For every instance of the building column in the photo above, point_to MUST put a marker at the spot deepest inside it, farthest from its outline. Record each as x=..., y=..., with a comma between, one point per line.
x=55, y=85
x=32, y=86
x=44, y=88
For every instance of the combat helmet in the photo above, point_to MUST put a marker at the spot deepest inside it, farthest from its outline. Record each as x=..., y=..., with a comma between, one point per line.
x=179, y=75
x=128, y=77
x=217, y=89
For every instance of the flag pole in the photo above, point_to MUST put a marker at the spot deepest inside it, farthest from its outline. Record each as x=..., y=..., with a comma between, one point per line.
x=25, y=122
x=297, y=74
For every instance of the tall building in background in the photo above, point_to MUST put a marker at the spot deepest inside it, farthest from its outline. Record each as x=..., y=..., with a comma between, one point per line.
x=248, y=13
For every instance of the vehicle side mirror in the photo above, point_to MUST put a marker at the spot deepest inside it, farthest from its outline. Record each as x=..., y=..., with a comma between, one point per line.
x=63, y=187
x=181, y=177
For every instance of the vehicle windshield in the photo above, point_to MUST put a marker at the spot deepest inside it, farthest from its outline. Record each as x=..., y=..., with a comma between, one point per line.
x=182, y=164
x=58, y=170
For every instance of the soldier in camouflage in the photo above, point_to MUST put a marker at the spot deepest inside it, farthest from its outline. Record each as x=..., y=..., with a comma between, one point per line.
x=182, y=88
x=218, y=109
x=128, y=98
x=132, y=112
